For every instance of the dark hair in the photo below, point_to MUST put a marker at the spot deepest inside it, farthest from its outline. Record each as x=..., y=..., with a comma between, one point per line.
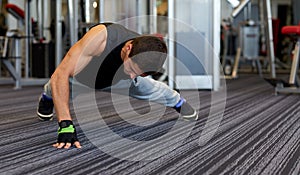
x=149, y=53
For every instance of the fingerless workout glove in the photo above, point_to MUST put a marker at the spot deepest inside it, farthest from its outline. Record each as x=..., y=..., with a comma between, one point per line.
x=66, y=132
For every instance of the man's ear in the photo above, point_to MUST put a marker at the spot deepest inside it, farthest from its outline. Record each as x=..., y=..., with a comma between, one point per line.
x=128, y=48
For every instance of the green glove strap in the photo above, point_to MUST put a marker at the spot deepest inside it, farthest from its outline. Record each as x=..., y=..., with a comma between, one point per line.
x=69, y=129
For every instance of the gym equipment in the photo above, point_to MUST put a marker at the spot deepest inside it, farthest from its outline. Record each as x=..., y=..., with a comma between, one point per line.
x=11, y=45
x=16, y=12
x=248, y=47
x=10, y=49
x=234, y=3
x=228, y=45
x=292, y=86
x=239, y=7
x=270, y=43
x=248, y=44
x=248, y=28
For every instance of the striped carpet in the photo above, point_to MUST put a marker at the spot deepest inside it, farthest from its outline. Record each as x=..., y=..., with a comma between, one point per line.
x=258, y=134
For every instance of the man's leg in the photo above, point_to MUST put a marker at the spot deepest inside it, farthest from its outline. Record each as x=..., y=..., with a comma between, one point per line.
x=47, y=89
x=145, y=88
x=148, y=89
x=45, y=108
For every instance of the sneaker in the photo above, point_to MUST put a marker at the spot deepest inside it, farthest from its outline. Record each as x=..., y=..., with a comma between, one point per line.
x=186, y=110
x=45, y=108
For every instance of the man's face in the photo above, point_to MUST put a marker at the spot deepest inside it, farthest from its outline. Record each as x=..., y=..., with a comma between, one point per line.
x=130, y=67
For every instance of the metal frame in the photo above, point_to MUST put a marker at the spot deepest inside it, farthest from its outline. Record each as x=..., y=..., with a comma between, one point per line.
x=293, y=79
x=73, y=23
x=270, y=43
x=15, y=69
x=28, y=27
x=12, y=50
x=58, y=33
x=11, y=42
x=171, y=44
x=216, y=45
x=267, y=16
x=255, y=61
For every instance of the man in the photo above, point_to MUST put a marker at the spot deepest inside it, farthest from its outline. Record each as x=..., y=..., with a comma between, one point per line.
x=94, y=61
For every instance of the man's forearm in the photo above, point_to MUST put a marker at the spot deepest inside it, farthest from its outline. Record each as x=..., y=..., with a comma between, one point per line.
x=60, y=94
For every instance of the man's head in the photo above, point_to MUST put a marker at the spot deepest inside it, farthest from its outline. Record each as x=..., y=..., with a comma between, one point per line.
x=148, y=52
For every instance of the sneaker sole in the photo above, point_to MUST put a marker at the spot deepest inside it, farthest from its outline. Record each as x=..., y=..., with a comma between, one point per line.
x=190, y=117
x=44, y=117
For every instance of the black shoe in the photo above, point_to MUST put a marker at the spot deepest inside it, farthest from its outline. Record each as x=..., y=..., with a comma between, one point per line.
x=45, y=108
x=186, y=111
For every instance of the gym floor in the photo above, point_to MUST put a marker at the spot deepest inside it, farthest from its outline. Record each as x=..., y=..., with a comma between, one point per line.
x=259, y=134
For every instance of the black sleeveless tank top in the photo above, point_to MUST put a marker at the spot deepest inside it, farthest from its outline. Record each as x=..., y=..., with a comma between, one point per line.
x=107, y=69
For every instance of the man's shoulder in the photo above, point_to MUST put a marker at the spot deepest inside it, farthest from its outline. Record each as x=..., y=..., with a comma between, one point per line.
x=100, y=24
x=106, y=24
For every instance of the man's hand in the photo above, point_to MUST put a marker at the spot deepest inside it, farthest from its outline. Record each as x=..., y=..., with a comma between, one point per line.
x=67, y=135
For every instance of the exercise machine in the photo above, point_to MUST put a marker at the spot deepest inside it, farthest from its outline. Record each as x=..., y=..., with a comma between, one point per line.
x=11, y=46
x=11, y=49
x=246, y=29
x=248, y=44
x=293, y=85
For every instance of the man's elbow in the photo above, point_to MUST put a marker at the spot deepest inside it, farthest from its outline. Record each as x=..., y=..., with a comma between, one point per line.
x=58, y=77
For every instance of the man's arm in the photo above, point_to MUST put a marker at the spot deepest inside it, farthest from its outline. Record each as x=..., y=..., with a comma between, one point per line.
x=79, y=55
